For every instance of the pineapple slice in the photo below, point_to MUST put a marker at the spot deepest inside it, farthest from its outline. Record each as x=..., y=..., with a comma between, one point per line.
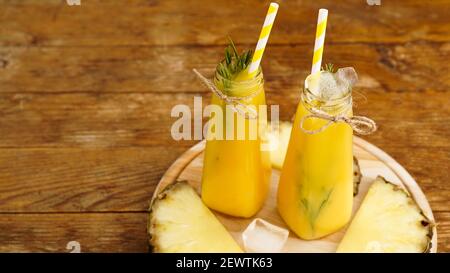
x=280, y=144
x=388, y=221
x=179, y=222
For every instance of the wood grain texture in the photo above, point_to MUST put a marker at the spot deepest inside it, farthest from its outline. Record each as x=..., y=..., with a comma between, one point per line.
x=86, y=93
x=197, y=22
x=88, y=120
x=81, y=180
x=443, y=227
x=96, y=232
x=416, y=66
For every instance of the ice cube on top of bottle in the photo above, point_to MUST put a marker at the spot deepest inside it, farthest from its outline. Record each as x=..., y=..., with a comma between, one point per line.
x=347, y=75
x=328, y=86
x=261, y=236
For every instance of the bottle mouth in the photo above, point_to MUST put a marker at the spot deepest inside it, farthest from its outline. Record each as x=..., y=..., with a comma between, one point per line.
x=324, y=101
x=239, y=87
x=333, y=106
x=310, y=96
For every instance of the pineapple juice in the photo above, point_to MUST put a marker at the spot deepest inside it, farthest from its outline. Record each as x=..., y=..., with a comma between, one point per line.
x=236, y=172
x=315, y=191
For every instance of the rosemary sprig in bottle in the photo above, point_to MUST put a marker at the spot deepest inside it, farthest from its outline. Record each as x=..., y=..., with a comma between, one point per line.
x=233, y=64
x=329, y=67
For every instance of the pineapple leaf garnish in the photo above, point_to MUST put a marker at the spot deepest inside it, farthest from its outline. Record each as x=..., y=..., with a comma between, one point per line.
x=329, y=67
x=233, y=63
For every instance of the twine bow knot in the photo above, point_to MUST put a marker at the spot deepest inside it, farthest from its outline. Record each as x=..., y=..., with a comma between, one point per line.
x=361, y=125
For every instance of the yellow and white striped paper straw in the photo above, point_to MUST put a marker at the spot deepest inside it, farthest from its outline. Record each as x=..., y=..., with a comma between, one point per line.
x=263, y=37
x=320, y=40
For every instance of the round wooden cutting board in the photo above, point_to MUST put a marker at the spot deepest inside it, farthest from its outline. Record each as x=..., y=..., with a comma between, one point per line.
x=372, y=160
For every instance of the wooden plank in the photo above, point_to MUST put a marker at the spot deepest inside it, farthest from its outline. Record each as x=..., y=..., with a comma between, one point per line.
x=88, y=120
x=74, y=180
x=397, y=68
x=92, y=167
x=143, y=22
x=96, y=232
x=104, y=232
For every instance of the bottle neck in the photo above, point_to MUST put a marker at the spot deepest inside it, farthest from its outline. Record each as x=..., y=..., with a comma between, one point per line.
x=338, y=106
x=240, y=88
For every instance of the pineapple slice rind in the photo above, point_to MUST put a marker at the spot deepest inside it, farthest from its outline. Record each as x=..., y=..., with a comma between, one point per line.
x=357, y=176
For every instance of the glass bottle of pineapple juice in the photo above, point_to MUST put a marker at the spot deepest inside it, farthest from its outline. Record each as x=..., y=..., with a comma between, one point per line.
x=315, y=193
x=236, y=171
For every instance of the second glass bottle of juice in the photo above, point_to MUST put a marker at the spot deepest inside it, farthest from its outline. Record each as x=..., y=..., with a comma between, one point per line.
x=236, y=170
x=315, y=191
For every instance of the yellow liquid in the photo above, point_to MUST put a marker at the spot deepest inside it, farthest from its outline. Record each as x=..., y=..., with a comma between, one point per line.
x=236, y=172
x=315, y=192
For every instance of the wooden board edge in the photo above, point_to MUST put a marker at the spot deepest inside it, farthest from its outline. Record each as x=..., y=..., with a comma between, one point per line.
x=178, y=166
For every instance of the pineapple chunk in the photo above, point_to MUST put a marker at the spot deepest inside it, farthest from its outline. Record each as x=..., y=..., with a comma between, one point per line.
x=179, y=222
x=279, y=144
x=388, y=221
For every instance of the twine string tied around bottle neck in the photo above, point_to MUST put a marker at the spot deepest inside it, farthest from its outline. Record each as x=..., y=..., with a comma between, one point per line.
x=235, y=102
x=360, y=124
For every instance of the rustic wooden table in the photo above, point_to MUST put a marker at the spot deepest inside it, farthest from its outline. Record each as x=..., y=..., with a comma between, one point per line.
x=86, y=93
